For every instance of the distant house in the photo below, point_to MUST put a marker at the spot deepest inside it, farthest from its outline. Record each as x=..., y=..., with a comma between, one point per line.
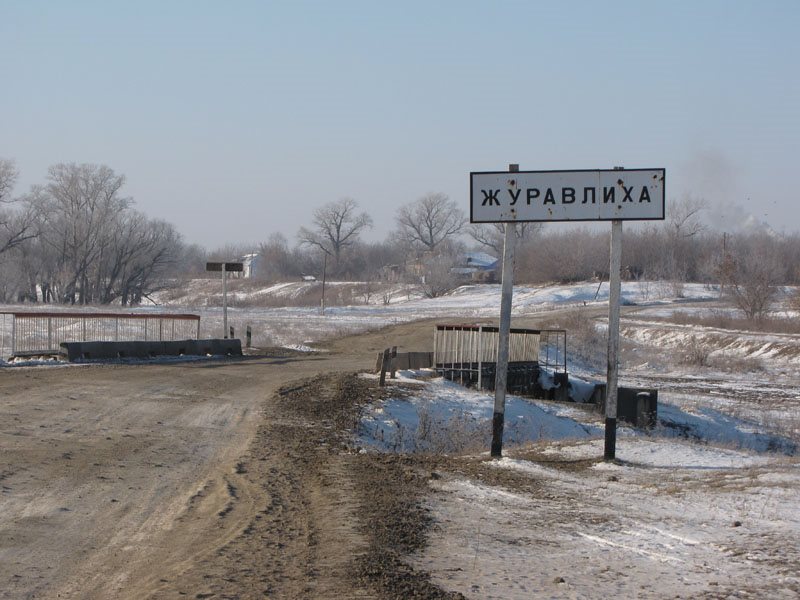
x=477, y=267
x=250, y=265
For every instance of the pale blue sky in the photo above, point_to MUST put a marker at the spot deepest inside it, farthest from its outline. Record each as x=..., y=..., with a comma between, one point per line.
x=236, y=119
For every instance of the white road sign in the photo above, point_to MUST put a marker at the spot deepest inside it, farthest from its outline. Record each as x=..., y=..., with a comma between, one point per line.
x=592, y=195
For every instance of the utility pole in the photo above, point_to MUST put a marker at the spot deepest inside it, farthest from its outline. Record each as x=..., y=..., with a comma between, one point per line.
x=225, y=300
x=324, y=273
x=501, y=375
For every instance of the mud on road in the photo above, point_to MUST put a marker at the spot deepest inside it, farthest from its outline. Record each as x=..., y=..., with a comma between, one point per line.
x=213, y=479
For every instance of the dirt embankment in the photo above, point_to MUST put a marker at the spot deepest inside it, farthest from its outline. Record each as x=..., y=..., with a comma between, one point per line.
x=325, y=521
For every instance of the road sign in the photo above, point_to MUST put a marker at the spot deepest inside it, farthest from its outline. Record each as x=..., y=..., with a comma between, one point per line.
x=591, y=195
x=224, y=267
x=229, y=266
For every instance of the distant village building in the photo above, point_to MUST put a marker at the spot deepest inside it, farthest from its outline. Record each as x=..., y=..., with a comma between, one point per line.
x=250, y=264
x=477, y=267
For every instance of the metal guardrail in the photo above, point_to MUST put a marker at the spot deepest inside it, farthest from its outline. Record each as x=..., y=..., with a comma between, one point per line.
x=34, y=333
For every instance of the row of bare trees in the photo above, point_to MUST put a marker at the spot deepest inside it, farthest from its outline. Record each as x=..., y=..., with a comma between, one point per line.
x=431, y=233
x=428, y=232
x=77, y=239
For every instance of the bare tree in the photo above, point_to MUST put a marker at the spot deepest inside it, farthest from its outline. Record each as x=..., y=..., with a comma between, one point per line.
x=750, y=273
x=8, y=178
x=683, y=217
x=429, y=221
x=276, y=258
x=438, y=277
x=139, y=252
x=16, y=226
x=337, y=226
x=683, y=225
x=78, y=207
x=492, y=236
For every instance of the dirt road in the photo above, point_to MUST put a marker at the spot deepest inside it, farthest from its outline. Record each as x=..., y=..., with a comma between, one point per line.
x=201, y=479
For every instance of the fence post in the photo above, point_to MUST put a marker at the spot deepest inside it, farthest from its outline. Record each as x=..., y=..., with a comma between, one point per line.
x=49, y=333
x=384, y=364
x=393, y=374
x=13, y=335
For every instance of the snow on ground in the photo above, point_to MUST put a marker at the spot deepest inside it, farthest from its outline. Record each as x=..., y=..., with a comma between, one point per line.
x=683, y=523
x=713, y=512
x=278, y=324
x=720, y=342
x=444, y=416
x=288, y=325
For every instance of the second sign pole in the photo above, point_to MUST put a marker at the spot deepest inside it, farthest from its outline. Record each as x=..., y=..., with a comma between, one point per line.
x=614, y=298
x=501, y=374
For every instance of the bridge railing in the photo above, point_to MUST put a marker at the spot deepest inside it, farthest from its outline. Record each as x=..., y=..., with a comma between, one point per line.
x=41, y=333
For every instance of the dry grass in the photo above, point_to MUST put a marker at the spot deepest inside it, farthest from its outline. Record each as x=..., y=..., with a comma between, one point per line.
x=585, y=341
x=725, y=320
x=696, y=354
x=735, y=364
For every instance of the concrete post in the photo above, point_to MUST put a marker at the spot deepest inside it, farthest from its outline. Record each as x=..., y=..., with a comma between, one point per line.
x=613, y=339
x=501, y=376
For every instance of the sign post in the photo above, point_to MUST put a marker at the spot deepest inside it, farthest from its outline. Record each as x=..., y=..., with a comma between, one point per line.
x=614, y=195
x=614, y=297
x=225, y=267
x=501, y=373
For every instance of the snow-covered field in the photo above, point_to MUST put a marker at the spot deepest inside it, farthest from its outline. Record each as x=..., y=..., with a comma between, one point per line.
x=706, y=504
x=291, y=324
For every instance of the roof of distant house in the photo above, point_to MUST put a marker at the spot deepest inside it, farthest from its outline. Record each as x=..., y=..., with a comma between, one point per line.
x=480, y=260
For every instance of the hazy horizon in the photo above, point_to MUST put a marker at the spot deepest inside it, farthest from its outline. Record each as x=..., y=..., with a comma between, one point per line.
x=235, y=121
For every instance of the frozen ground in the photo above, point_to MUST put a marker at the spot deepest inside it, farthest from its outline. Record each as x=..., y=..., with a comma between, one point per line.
x=674, y=520
x=705, y=505
x=443, y=416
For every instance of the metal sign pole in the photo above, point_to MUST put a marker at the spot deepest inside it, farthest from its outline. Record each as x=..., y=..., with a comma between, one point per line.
x=613, y=340
x=224, y=301
x=501, y=376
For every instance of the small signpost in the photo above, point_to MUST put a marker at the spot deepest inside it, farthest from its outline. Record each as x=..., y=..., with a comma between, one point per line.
x=614, y=195
x=225, y=267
